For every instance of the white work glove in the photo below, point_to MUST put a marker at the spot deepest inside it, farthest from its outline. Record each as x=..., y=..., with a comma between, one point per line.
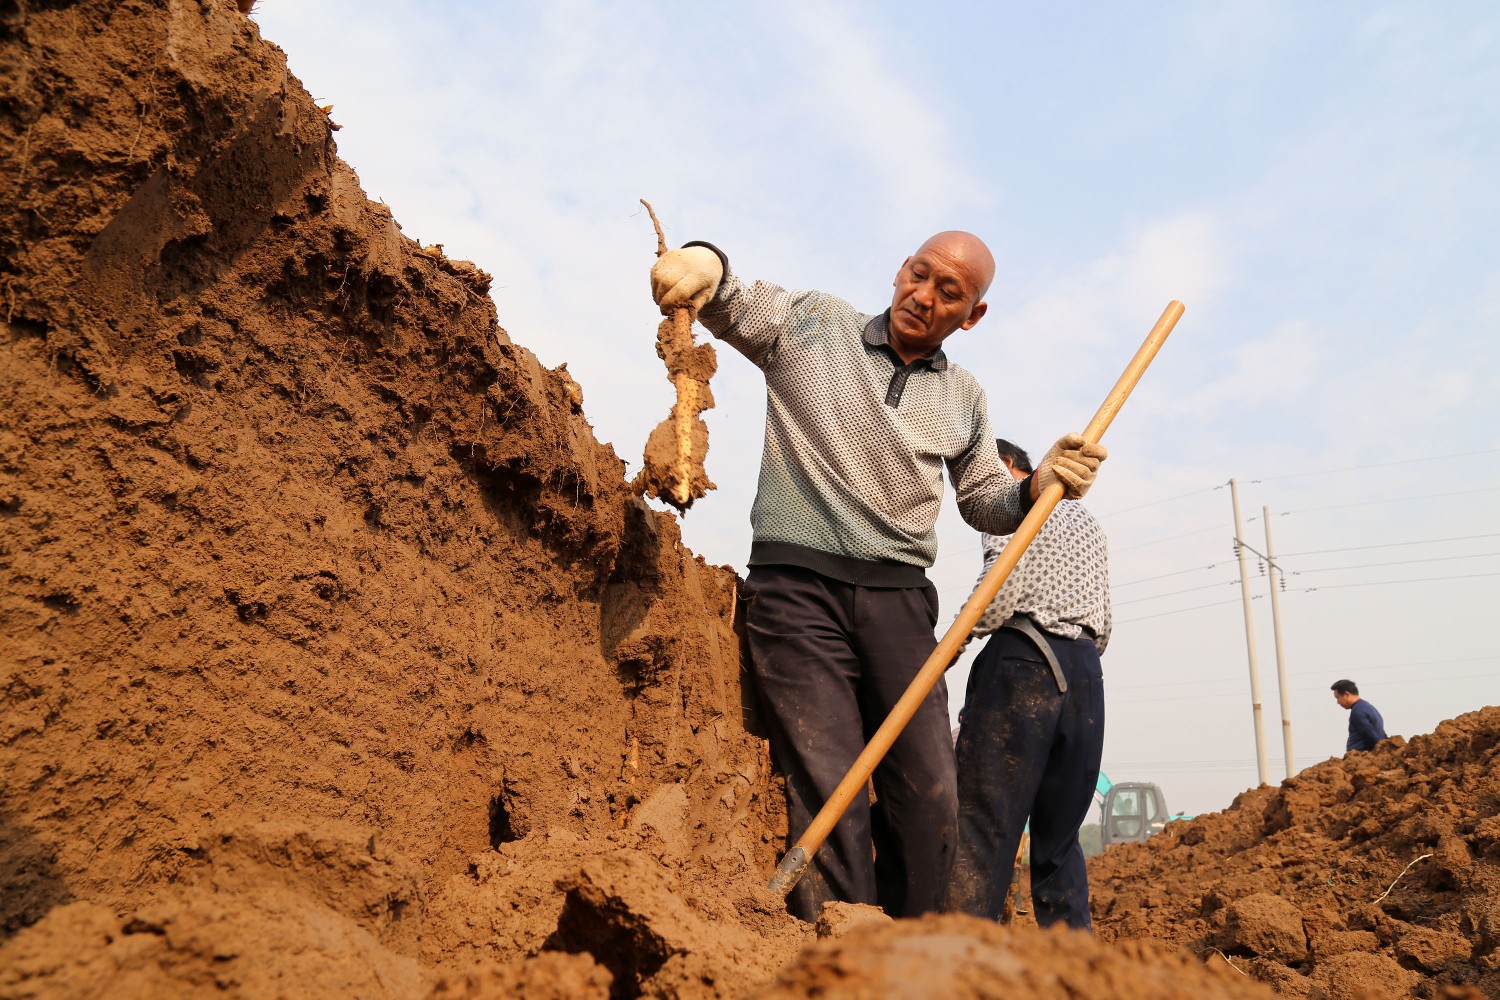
x=686, y=277
x=1073, y=463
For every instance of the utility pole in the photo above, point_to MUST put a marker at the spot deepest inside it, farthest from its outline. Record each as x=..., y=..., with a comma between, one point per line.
x=1277, y=581
x=1239, y=551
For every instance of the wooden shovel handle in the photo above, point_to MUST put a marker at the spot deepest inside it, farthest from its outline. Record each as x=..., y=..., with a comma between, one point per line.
x=789, y=872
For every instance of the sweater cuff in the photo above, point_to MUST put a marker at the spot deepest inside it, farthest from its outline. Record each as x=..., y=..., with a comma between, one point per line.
x=723, y=259
x=1026, y=501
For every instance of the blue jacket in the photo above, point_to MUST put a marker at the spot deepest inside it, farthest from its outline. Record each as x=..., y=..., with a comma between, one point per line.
x=1366, y=727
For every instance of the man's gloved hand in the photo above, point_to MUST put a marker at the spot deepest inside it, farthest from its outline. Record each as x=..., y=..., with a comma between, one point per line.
x=1073, y=463
x=686, y=277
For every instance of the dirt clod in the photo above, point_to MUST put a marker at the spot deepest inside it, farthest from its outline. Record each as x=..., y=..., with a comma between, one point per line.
x=838, y=919
x=1266, y=926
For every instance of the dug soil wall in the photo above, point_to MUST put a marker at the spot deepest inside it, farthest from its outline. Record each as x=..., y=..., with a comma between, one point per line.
x=325, y=617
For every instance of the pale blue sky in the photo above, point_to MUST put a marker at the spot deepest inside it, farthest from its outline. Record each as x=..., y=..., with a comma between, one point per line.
x=1315, y=182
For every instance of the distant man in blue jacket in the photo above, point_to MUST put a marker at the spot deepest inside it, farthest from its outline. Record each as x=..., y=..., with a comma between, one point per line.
x=1366, y=727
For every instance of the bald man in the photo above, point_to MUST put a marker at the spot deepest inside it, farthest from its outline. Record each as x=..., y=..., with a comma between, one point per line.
x=862, y=414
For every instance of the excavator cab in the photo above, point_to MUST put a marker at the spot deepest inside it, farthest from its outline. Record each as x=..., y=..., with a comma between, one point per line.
x=1131, y=812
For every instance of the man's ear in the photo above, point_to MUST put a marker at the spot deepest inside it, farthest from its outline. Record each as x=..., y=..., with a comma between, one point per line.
x=899, y=270
x=975, y=315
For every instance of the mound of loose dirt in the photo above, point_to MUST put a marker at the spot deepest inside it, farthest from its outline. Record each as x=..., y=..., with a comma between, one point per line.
x=1375, y=872
x=337, y=658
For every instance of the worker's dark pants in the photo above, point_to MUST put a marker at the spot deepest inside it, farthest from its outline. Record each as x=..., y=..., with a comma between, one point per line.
x=829, y=660
x=1027, y=750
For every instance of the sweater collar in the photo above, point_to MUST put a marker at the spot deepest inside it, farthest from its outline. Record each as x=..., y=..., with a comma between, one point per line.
x=878, y=334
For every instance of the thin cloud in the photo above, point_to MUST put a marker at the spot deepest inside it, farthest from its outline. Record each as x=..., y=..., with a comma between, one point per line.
x=904, y=132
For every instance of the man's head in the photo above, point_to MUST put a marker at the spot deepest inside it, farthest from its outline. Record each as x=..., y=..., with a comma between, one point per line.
x=938, y=291
x=1346, y=693
x=1015, y=460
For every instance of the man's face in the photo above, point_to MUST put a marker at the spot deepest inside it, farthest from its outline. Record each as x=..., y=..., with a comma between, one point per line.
x=937, y=293
x=1344, y=698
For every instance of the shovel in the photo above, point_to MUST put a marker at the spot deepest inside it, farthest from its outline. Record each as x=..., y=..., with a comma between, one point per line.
x=789, y=872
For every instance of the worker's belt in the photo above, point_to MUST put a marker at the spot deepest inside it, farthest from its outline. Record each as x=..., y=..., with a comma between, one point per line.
x=1024, y=625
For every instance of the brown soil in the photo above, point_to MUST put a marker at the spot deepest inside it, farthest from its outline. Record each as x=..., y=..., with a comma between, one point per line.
x=332, y=637
x=965, y=958
x=337, y=658
x=1375, y=874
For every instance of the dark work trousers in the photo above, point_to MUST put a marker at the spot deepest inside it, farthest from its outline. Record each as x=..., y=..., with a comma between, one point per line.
x=829, y=661
x=1027, y=750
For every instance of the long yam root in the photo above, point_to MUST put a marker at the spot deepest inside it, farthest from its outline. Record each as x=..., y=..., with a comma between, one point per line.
x=672, y=469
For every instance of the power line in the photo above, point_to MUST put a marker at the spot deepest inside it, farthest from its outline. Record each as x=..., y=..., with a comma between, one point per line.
x=1294, y=590
x=1308, y=552
x=1302, y=475
x=1377, y=465
x=1170, y=499
x=1308, y=590
x=970, y=550
x=1386, y=685
x=1323, y=569
x=1181, y=611
x=1163, y=576
x=1170, y=538
x=1388, y=545
x=1301, y=673
x=1370, y=503
x=1384, y=583
x=1404, y=562
x=1174, y=593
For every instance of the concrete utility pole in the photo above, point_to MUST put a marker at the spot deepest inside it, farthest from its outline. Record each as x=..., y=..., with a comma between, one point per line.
x=1239, y=551
x=1286, y=711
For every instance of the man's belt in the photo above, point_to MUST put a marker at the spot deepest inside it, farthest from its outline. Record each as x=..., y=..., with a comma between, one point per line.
x=1024, y=625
